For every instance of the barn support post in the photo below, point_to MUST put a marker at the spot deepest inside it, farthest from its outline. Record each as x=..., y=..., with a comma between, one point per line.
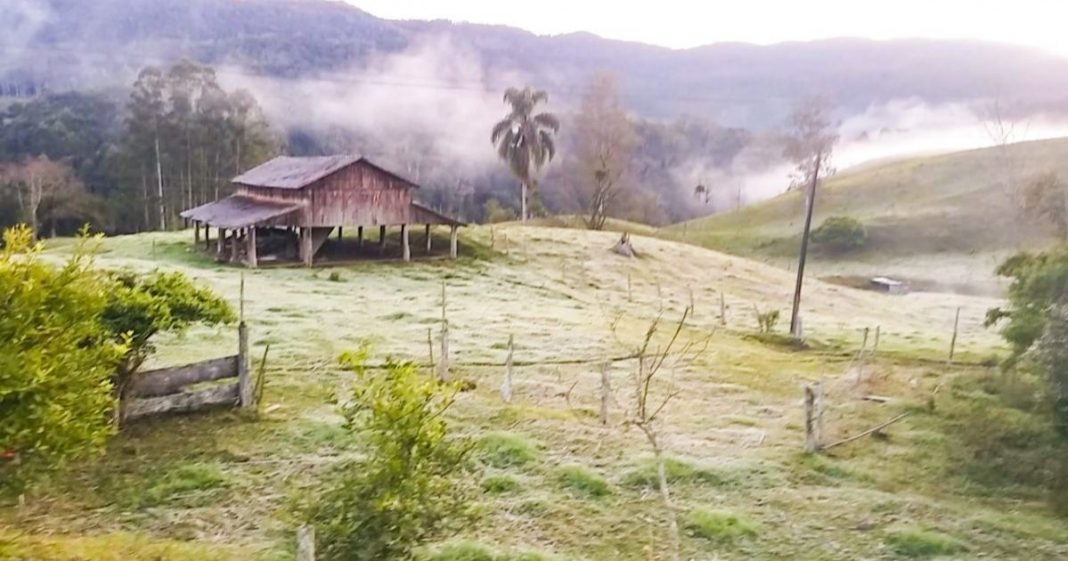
x=359, y=236
x=306, y=246
x=453, y=230
x=250, y=250
x=429, y=240
x=196, y=232
x=222, y=242
x=382, y=236
x=234, y=238
x=244, y=377
x=406, y=250
x=339, y=233
x=207, y=237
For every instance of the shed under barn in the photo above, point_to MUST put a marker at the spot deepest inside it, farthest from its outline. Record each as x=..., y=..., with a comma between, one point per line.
x=311, y=197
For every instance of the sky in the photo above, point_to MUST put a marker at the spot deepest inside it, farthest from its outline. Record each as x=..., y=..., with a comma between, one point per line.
x=689, y=23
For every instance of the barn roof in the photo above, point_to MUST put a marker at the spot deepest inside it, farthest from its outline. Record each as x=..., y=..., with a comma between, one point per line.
x=288, y=172
x=237, y=211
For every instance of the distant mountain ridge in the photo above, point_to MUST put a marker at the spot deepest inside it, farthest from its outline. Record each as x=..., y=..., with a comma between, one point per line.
x=74, y=44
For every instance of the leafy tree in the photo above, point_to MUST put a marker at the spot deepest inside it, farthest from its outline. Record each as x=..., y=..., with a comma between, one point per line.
x=525, y=139
x=141, y=306
x=603, y=151
x=1045, y=198
x=1039, y=282
x=1053, y=356
x=840, y=234
x=411, y=486
x=49, y=193
x=56, y=359
x=493, y=212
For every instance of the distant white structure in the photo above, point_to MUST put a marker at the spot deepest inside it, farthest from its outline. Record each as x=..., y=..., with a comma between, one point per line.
x=889, y=286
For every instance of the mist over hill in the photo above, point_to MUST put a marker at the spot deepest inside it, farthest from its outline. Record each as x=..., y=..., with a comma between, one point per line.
x=60, y=44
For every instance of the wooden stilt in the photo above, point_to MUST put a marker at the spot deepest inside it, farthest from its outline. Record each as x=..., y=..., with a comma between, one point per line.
x=453, y=232
x=306, y=246
x=406, y=250
x=196, y=233
x=222, y=242
x=381, y=239
x=207, y=237
x=250, y=249
x=233, y=245
x=359, y=236
x=339, y=234
x=429, y=241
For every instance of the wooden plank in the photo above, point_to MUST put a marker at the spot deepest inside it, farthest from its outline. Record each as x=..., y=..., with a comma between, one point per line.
x=185, y=402
x=244, y=381
x=166, y=381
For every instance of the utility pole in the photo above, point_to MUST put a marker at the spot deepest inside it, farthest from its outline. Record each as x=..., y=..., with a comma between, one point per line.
x=810, y=204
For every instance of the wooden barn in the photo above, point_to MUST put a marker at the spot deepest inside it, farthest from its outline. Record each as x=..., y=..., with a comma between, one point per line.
x=305, y=199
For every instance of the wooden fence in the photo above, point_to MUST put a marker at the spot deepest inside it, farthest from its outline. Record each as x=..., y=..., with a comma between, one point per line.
x=163, y=391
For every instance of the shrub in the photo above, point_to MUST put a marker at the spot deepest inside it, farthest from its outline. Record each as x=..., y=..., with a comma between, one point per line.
x=583, y=481
x=720, y=526
x=766, y=320
x=411, y=486
x=1053, y=356
x=840, y=234
x=56, y=360
x=462, y=551
x=920, y=543
x=502, y=450
x=334, y=276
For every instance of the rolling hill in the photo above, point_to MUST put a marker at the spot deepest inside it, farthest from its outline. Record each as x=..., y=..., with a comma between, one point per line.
x=942, y=222
x=220, y=486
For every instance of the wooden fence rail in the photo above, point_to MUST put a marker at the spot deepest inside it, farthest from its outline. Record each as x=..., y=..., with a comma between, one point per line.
x=164, y=390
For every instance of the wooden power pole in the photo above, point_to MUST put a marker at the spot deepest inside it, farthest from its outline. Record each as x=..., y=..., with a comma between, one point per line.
x=810, y=204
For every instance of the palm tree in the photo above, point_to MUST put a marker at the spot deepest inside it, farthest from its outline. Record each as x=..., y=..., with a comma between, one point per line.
x=524, y=140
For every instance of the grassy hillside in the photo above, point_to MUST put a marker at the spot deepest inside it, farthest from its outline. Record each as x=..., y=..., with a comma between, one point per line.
x=220, y=485
x=941, y=220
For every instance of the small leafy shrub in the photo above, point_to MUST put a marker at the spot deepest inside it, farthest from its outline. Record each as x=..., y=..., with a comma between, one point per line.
x=720, y=526
x=503, y=450
x=411, y=487
x=840, y=234
x=500, y=484
x=766, y=320
x=583, y=481
x=677, y=471
x=334, y=276
x=183, y=479
x=921, y=543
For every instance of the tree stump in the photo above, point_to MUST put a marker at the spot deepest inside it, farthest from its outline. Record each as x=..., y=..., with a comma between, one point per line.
x=624, y=247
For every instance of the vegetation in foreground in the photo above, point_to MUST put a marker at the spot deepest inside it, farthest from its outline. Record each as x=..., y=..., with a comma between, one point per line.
x=976, y=460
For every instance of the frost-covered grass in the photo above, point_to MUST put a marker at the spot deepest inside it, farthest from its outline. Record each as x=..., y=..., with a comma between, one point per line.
x=732, y=430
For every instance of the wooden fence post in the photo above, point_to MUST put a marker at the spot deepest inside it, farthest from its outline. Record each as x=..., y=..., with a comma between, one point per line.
x=606, y=392
x=443, y=362
x=430, y=347
x=875, y=344
x=506, y=386
x=953, y=341
x=244, y=379
x=305, y=543
x=811, y=438
x=860, y=357
x=629, y=297
x=722, y=310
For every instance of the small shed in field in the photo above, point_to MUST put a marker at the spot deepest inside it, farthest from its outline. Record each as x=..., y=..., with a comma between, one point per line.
x=307, y=199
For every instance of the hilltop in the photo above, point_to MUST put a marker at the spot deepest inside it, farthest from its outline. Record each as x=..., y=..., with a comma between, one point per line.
x=943, y=221
x=221, y=485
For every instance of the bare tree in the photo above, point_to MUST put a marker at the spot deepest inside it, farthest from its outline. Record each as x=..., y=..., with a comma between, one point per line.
x=47, y=191
x=604, y=148
x=809, y=144
x=653, y=359
x=1045, y=198
x=1004, y=129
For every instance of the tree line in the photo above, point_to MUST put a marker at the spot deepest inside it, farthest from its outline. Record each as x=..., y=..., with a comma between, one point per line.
x=77, y=158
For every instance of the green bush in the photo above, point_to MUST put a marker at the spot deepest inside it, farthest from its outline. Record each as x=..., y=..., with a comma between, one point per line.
x=921, y=543
x=766, y=320
x=411, y=487
x=56, y=360
x=840, y=234
x=462, y=551
x=502, y=450
x=720, y=526
x=583, y=481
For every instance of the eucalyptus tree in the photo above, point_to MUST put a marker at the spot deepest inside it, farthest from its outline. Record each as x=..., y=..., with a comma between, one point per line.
x=525, y=139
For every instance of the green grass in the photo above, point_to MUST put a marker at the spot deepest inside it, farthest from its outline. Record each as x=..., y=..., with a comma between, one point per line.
x=500, y=484
x=923, y=543
x=676, y=471
x=182, y=480
x=719, y=526
x=504, y=450
x=942, y=222
x=582, y=481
